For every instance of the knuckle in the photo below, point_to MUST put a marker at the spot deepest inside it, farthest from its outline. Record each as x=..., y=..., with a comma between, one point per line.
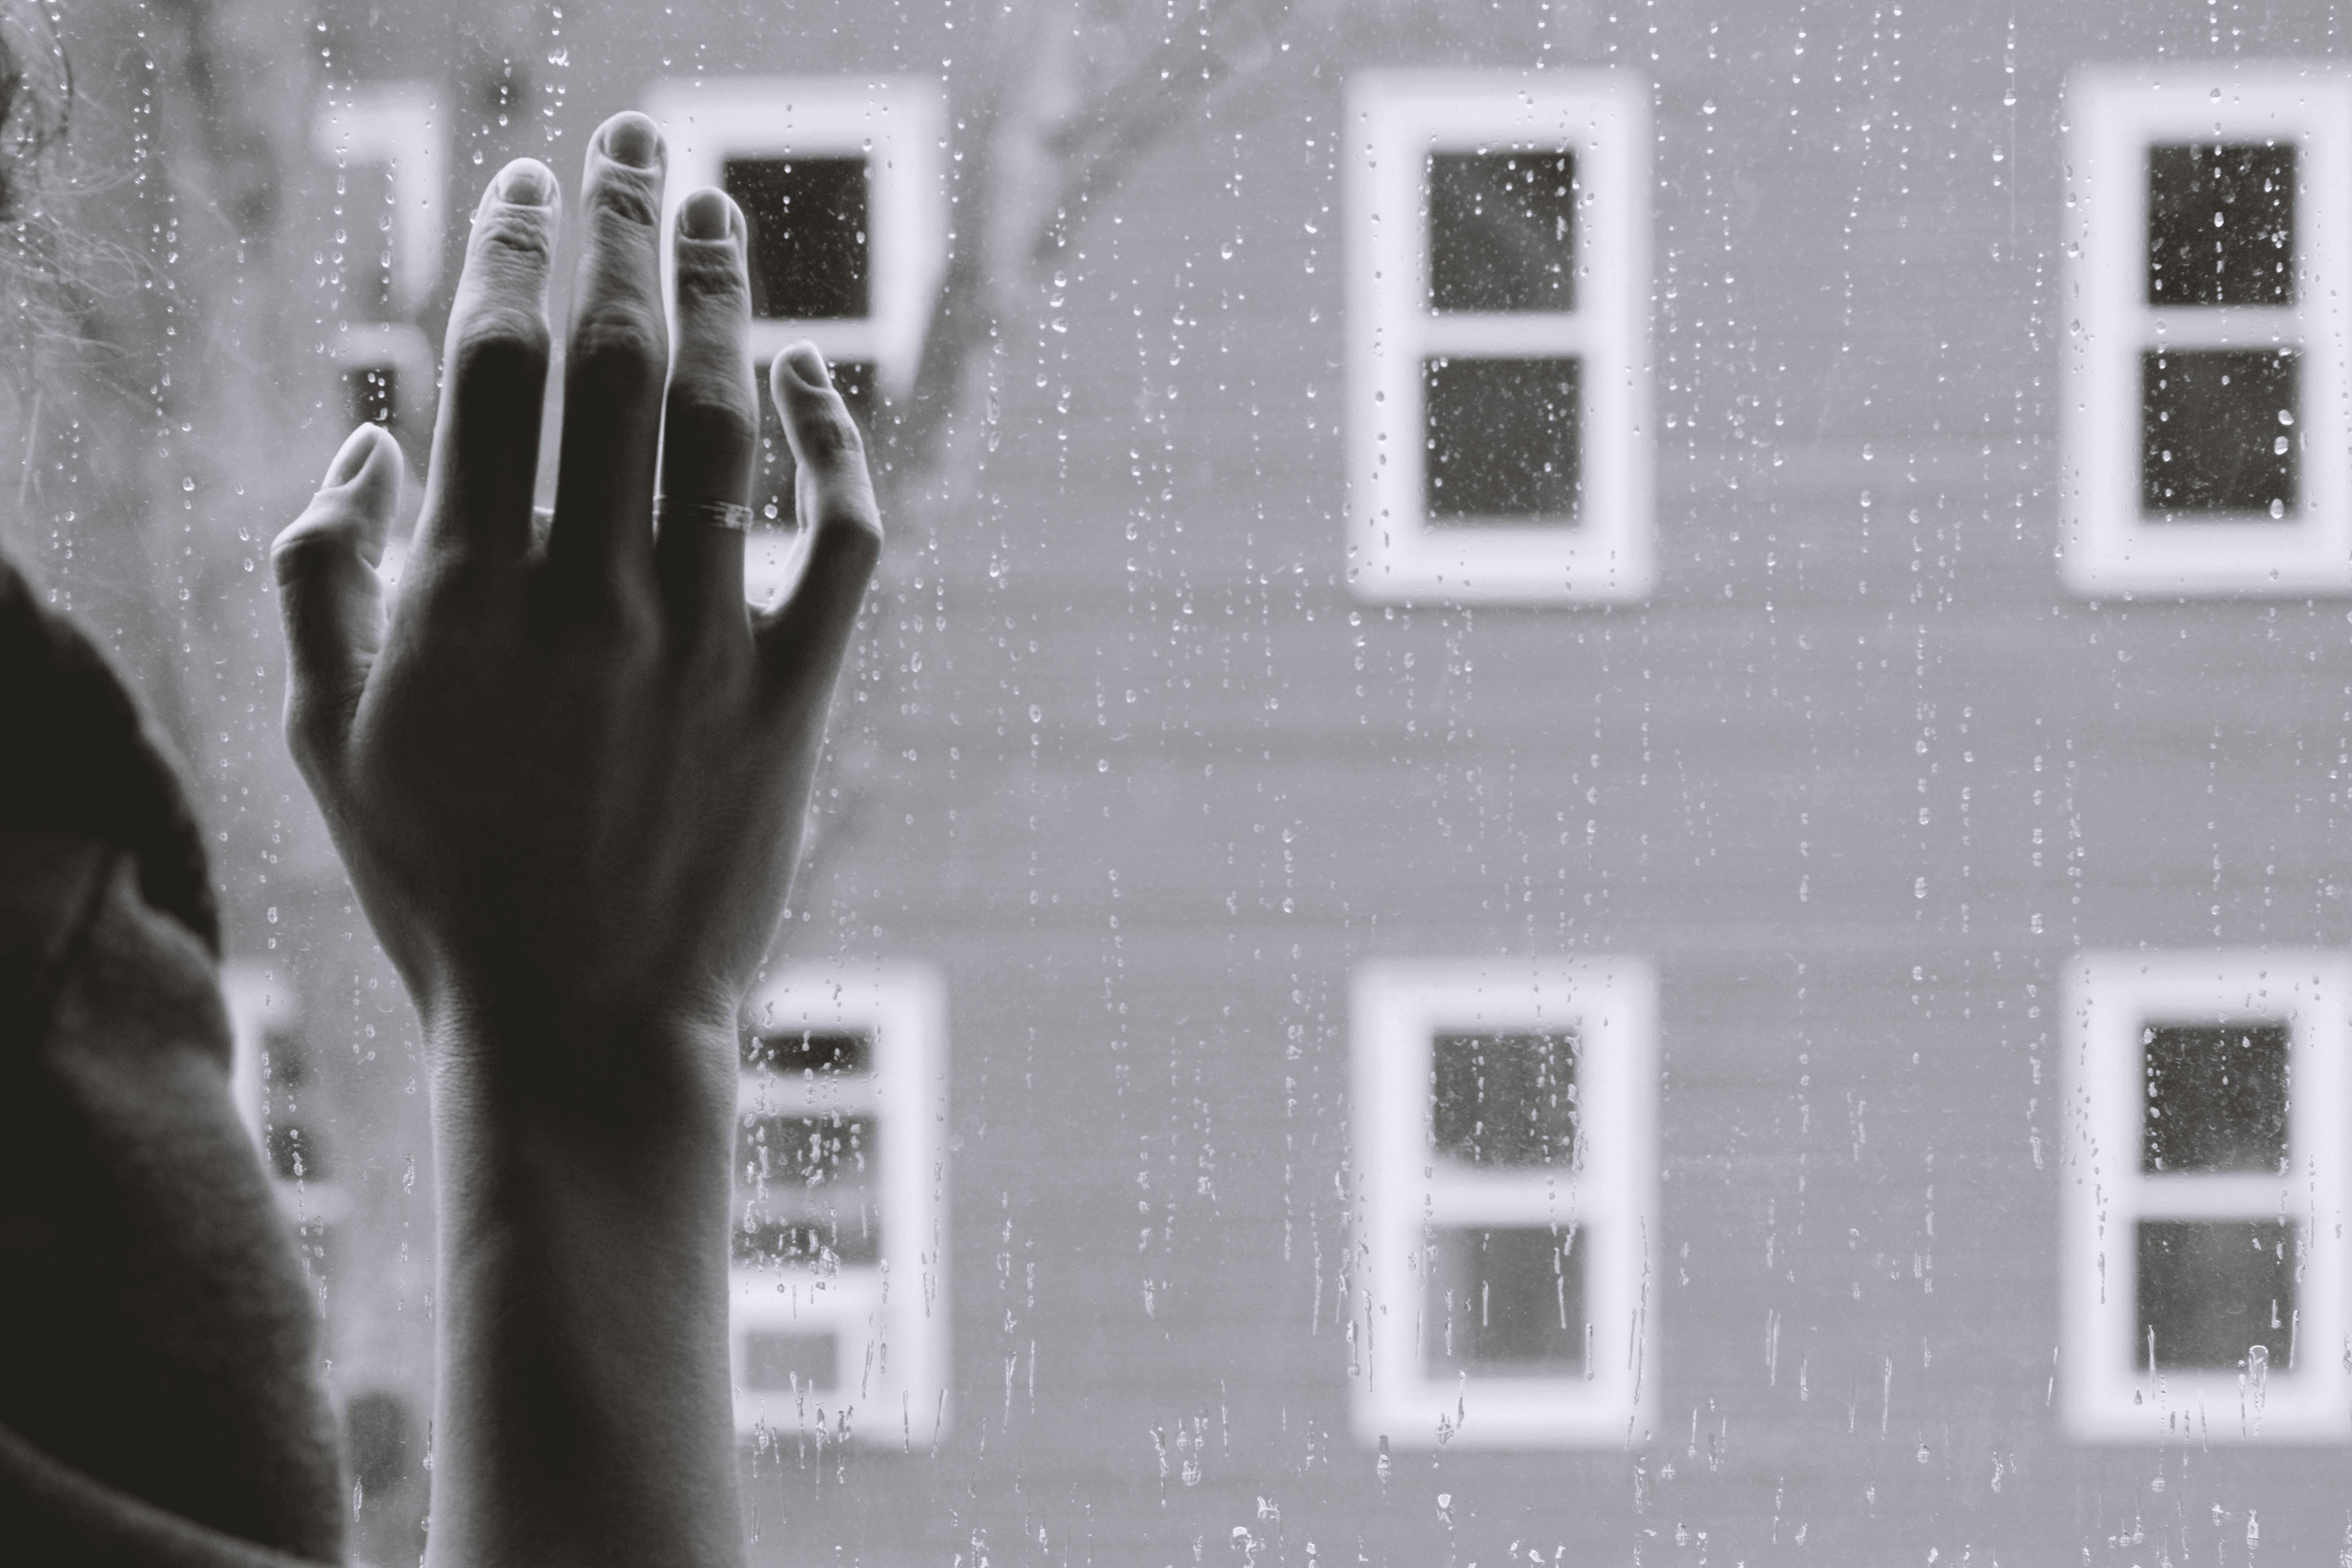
x=618, y=616
x=631, y=197
x=515, y=237
x=853, y=533
x=710, y=276
x=311, y=542
x=831, y=434
x=618, y=342
x=498, y=342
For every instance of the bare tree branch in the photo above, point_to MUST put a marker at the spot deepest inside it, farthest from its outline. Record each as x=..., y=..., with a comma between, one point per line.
x=1071, y=96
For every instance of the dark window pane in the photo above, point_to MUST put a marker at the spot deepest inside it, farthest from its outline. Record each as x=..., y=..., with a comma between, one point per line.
x=371, y=393
x=2217, y=432
x=840, y=1052
x=771, y=479
x=765, y=1239
x=2221, y=226
x=2209, y=1289
x=2216, y=1097
x=1502, y=231
x=780, y=1361
x=1504, y=1100
x=1503, y=439
x=295, y=1152
x=805, y=1151
x=1507, y=1300
x=807, y=217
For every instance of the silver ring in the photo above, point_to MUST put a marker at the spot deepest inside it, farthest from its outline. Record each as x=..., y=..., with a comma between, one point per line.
x=542, y=519
x=724, y=514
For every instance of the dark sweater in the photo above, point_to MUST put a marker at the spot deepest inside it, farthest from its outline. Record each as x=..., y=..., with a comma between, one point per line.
x=159, y=1394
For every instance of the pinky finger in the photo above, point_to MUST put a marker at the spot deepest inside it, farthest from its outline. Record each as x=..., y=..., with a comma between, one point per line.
x=802, y=639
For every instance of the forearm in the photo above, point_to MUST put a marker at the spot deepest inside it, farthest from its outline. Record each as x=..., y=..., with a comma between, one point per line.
x=584, y=1409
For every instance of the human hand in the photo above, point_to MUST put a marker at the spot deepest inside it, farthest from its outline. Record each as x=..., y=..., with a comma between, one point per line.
x=568, y=769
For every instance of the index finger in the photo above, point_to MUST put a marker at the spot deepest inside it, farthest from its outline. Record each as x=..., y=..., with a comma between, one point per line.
x=494, y=371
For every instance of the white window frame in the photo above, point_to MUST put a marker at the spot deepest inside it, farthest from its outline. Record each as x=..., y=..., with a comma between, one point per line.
x=395, y=125
x=897, y=123
x=1396, y=119
x=1406, y=1191
x=890, y=1320
x=2108, y=1395
x=2116, y=114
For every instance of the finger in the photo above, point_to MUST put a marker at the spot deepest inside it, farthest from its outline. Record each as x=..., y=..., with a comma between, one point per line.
x=802, y=640
x=614, y=366
x=328, y=591
x=486, y=441
x=710, y=422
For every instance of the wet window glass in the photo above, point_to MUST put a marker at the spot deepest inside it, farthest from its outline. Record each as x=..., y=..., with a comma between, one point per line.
x=1596, y=807
x=2217, y=436
x=809, y=1052
x=1505, y=1300
x=1499, y=381
x=1504, y=433
x=807, y=218
x=1502, y=231
x=1503, y=440
x=371, y=393
x=2220, y=224
x=2217, y=1098
x=1504, y=1100
x=805, y=1167
x=806, y=1184
x=775, y=1361
x=296, y=1145
x=2214, y=1292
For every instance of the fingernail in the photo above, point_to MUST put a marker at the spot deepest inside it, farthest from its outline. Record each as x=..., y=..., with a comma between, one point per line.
x=526, y=183
x=706, y=215
x=634, y=139
x=351, y=457
x=808, y=365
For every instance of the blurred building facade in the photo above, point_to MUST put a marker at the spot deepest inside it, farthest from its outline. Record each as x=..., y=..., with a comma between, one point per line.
x=1577, y=721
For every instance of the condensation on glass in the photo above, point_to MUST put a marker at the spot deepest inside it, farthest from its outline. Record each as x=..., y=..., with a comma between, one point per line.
x=2204, y=1209
x=1504, y=1123
x=1504, y=432
x=839, y=1098
x=2208, y=414
x=1497, y=329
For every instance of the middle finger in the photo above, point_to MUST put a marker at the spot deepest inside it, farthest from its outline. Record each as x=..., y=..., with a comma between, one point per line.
x=615, y=365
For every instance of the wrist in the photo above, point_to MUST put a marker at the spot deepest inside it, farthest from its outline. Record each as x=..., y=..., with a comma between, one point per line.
x=605, y=1080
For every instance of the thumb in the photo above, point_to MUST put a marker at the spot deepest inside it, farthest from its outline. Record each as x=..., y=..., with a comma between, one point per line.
x=329, y=591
